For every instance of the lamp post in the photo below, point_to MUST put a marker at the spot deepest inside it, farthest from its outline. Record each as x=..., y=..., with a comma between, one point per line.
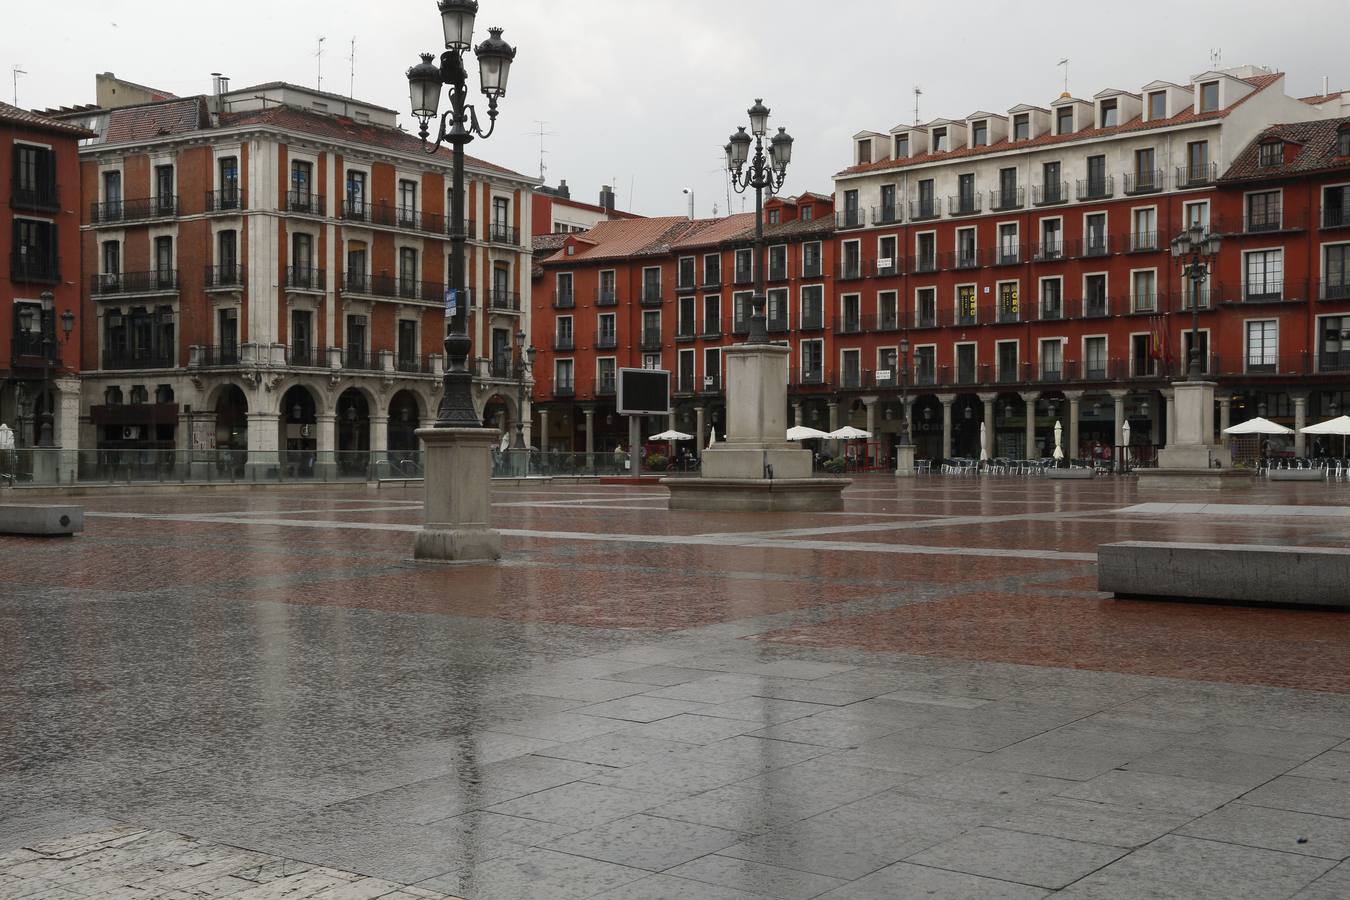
x=524, y=366
x=767, y=171
x=905, y=439
x=459, y=126
x=1201, y=248
x=48, y=345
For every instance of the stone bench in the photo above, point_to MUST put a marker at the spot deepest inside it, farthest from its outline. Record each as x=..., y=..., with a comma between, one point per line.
x=1297, y=474
x=34, y=518
x=1070, y=474
x=1247, y=573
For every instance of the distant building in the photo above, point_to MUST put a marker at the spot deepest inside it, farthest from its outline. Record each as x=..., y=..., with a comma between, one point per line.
x=555, y=212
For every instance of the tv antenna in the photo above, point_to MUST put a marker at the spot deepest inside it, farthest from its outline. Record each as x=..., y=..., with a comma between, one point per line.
x=1065, y=63
x=351, y=60
x=16, y=71
x=542, y=132
x=318, y=54
x=918, y=92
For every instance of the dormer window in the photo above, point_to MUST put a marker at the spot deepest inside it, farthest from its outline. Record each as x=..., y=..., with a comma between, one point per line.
x=1110, y=115
x=1343, y=141
x=1209, y=96
x=902, y=146
x=1064, y=120
x=864, y=152
x=979, y=134
x=807, y=213
x=940, y=140
x=1022, y=127
x=1272, y=154
x=1157, y=105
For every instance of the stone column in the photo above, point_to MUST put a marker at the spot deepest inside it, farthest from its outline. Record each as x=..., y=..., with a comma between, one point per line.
x=871, y=404
x=1225, y=417
x=589, y=412
x=264, y=446
x=543, y=430
x=458, y=492
x=700, y=429
x=989, y=422
x=1029, y=398
x=379, y=445
x=325, y=460
x=834, y=415
x=66, y=428
x=1155, y=420
x=1170, y=399
x=946, y=400
x=1119, y=398
x=796, y=412
x=1300, y=421
x=1074, y=401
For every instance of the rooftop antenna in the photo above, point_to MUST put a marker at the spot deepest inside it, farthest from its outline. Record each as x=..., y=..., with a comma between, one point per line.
x=351, y=83
x=1065, y=63
x=16, y=71
x=318, y=54
x=918, y=92
x=542, y=133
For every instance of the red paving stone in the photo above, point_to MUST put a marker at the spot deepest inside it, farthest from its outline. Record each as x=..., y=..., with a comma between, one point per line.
x=1281, y=648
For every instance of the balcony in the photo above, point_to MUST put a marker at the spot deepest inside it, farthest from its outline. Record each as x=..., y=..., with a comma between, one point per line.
x=1336, y=216
x=392, y=287
x=712, y=330
x=1334, y=289
x=776, y=323
x=711, y=384
x=564, y=342
x=304, y=356
x=35, y=268
x=1096, y=307
x=138, y=358
x=1012, y=198
x=926, y=318
x=740, y=327
x=357, y=358
x=888, y=267
x=499, y=233
x=36, y=197
x=925, y=263
x=1047, y=251
x=1050, y=193
x=651, y=339
x=163, y=281
x=304, y=203
x=848, y=323
x=850, y=218
x=711, y=280
x=31, y=349
x=1093, y=246
x=220, y=356
x=685, y=383
x=606, y=385
x=851, y=379
x=564, y=300
x=811, y=377
x=743, y=276
x=606, y=340
x=1149, y=181
x=685, y=332
x=1196, y=176
x=778, y=272
x=1275, y=290
x=812, y=320
x=1143, y=241
x=564, y=389
x=1009, y=255
x=227, y=277
x=925, y=375
x=1051, y=310
x=1203, y=297
x=307, y=278
x=503, y=301
x=119, y=211
x=1096, y=188
x=229, y=199
x=885, y=215
x=686, y=285
x=812, y=268
x=964, y=204
x=1266, y=221
x=967, y=258
x=922, y=210
x=1144, y=302
x=499, y=367
x=853, y=269
x=412, y=365
x=1005, y=315
x=651, y=296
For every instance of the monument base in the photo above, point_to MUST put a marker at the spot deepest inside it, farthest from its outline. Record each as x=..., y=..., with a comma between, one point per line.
x=757, y=494
x=457, y=484
x=1195, y=456
x=457, y=545
x=1162, y=480
x=904, y=461
x=749, y=461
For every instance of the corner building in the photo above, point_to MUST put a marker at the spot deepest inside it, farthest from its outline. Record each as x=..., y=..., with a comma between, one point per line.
x=265, y=274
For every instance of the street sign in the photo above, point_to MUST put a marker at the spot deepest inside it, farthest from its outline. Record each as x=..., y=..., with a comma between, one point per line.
x=643, y=392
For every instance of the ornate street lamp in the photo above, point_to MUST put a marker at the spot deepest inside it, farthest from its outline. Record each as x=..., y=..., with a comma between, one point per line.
x=905, y=438
x=459, y=126
x=1202, y=250
x=524, y=366
x=767, y=171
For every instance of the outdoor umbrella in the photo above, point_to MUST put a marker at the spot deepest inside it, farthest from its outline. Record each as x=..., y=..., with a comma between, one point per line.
x=1339, y=425
x=671, y=436
x=803, y=433
x=1059, y=433
x=984, y=443
x=712, y=437
x=1265, y=426
x=849, y=433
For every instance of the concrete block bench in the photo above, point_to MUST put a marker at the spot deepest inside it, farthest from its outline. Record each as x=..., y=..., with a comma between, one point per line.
x=1298, y=474
x=1070, y=474
x=18, y=518
x=1246, y=573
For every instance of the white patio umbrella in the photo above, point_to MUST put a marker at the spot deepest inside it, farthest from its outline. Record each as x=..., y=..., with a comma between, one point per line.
x=671, y=435
x=712, y=437
x=6, y=437
x=849, y=433
x=1059, y=434
x=1339, y=425
x=1259, y=425
x=805, y=433
x=984, y=443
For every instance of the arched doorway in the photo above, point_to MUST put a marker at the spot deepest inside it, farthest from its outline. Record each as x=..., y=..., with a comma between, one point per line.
x=967, y=414
x=405, y=418
x=231, y=443
x=926, y=427
x=497, y=414
x=353, y=434
x=299, y=433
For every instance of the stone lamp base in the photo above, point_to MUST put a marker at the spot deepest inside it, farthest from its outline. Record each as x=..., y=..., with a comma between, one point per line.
x=458, y=488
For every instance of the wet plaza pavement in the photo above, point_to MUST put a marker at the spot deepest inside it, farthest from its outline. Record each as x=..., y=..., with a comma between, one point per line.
x=258, y=694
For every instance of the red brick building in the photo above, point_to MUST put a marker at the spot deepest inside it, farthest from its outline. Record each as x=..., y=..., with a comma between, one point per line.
x=40, y=234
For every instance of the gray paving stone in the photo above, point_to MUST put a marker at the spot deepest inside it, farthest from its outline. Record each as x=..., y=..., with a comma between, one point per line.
x=666, y=887
x=1210, y=764
x=625, y=748
x=1334, y=765
x=562, y=727
x=763, y=709
x=1310, y=795
x=907, y=880
x=1334, y=885
x=1145, y=790
x=1290, y=744
x=661, y=676
x=967, y=782
x=1017, y=856
x=755, y=878
x=695, y=729
x=646, y=842
x=592, y=690
x=1180, y=868
x=1097, y=823
x=580, y=804
x=535, y=873
x=1275, y=829
x=641, y=708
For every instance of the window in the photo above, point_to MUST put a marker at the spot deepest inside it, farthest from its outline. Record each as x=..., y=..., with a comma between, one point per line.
x=406, y=358
x=1265, y=274
x=301, y=185
x=813, y=306
x=35, y=257
x=1007, y=301
x=564, y=371
x=605, y=375
x=1336, y=269
x=1094, y=357
x=940, y=140
x=606, y=335
x=1209, y=96
x=925, y=249
x=356, y=266
x=112, y=258
x=965, y=304
x=887, y=309
x=227, y=257
x=712, y=316
x=1263, y=346
x=851, y=313
x=302, y=259
x=686, y=317
x=651, y=285
x=807, y=213
x=864, y=152
x=34, y=177
x=902, y=146
x=1197, y=214
x=777, y=262
x=1144, y=290
x=965, y=191
x=851, y=208
x=774, y=217
x=1263, y=211
x=1157, y=105
x=813, y=362
x=712, y=368
x=164, y=197
x=776, y=310
x=852, y=368
x=564, y=338
x=1144, y=235
x=1006, y=361
x=1335, y=206
x=1052, y=188
x=229, y=182
x=925, y=307
x=1343, y=141
x=1007, y=188
x=112, y=195
x=357, y=328
x=1064, y=120
x=565, y=290
x=1008, y=249
x=407, y=273
x=852, y=262
x=965, y=363
x=740, y=312
x=1052, y=239
x=712, y=269
x=1052, y=359
x=1022, y=127
x=1144, y=173
x=1052, y=298
x=1096, y=176
x=1094, y=234
x=685, y=372
x=407, y=202
x=979, y=134
x=925, y=364
x=1094, y=295
x=1203, y=348
x=1110, y=114
x=811, y=259
x=164, y=271
x=887, y=264
x=1271, y=154
x=965, y=247
x=651, y=328
x=686, y=272
x=888, y=203
x=227, y=332
x=1197, y=162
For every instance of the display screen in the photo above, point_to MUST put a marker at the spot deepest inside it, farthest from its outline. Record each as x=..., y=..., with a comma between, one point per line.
x=644, y=392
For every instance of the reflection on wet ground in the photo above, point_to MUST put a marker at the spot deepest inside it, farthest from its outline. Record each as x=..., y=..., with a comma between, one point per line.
x=921, y=696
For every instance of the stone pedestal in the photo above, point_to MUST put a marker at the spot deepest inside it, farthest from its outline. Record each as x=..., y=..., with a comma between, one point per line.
x=756, y=468
x=458, y=483
x=904, y=461
x=1192, y=460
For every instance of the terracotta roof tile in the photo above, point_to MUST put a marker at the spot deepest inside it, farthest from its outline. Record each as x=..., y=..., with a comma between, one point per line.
x=711, y=232
x=624, y=237
x=151, y=120
x=1259, y=82
x=1317, y=142
x=13, y=115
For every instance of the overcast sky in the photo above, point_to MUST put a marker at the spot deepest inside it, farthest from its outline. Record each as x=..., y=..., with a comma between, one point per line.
x=643, y=93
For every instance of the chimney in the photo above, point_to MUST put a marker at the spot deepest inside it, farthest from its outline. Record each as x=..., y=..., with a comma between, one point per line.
x=220, y=85
x=607, y=198
x=563, y=191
